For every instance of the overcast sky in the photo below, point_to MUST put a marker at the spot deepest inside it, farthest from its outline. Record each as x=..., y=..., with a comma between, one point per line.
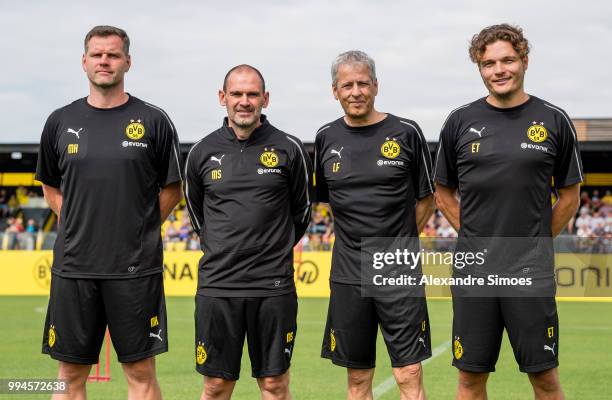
x=180, y=54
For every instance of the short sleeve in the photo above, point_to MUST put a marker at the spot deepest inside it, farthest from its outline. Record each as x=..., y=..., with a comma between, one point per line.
x=421, y=165
x=568, y=166
x=445, y=170
x=168, y=152
x=47, y=165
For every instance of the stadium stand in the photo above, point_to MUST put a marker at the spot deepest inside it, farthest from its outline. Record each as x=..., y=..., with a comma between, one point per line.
x=27, y=223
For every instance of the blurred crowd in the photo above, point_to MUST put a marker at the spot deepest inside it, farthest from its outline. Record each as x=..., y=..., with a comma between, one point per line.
x=11, y=203
x=17, y=234
x=320, y=233
x=593, y=224
x=178, y=233
x=438, y=226
x=594, y=217
x=589, y=230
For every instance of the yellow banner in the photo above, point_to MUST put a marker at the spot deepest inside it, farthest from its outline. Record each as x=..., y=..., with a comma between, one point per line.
x=29, y=273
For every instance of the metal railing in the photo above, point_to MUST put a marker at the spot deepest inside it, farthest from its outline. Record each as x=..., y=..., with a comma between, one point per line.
x=563, y=243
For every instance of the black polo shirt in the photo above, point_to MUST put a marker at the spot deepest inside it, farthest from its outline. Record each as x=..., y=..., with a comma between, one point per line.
x=109, y=165
x=504, y=163
x=372, y=177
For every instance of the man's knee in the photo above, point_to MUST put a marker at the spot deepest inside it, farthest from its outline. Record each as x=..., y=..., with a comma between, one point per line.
x=276, y=385
x=217, y=387
x=140, y=371
x=473, y=381
x=73, y=373
x=408, y=375
x=546, y=381
x=360, y=378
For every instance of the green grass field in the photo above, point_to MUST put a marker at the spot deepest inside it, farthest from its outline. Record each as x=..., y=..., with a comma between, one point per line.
x=586, y=360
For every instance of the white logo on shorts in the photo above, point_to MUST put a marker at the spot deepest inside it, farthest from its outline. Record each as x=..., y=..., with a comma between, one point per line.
x=551, y=349
x=158, y=335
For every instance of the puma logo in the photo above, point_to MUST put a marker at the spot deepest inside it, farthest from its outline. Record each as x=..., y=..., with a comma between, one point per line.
x=70, y=130
x=157, y=335
x=213, y=158
x=337, y=152
x=551, y=349
x=478, y=132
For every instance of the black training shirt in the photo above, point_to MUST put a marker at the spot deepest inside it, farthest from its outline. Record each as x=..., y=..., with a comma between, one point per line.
x=250, y=203
x=504, y=162
x=109, y=165
x=372, y=177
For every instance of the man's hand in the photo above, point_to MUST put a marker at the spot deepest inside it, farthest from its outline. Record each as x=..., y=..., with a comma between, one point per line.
x=565, y=207
x=169, y=197
x=54, y=198
x=424, y=208
x=447, y=203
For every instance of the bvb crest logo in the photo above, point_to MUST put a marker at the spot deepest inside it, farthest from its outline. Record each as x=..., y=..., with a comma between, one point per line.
x=42, y=272
x=332, y=340
x=390, y=149
x=51, y=335
x=201, y=355
x=457, y=348
x=423, y=325
x=269, y=158
x=135, y=130
x=537, y=133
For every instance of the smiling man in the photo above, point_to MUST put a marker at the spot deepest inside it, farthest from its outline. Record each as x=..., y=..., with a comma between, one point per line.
x=248, y=194
x=373, y=169
x=110, y=171
x=500, y=155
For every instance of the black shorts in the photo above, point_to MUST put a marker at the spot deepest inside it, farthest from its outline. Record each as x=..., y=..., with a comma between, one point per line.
x=80, y=309
x=352, y=326
x=221, y=324
x=478, y=326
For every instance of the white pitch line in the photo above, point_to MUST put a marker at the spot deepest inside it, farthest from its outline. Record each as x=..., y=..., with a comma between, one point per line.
x=389, y=383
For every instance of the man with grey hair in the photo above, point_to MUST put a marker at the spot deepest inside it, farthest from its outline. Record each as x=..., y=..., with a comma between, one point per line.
x=110, y=170
x=353, y=57
x=373, y=169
